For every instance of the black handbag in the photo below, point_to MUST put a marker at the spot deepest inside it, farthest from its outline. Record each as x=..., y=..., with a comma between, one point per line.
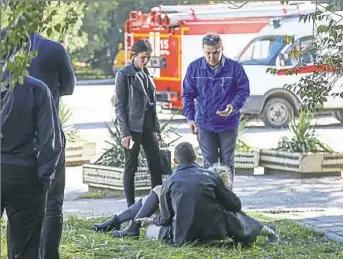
x=165, y=158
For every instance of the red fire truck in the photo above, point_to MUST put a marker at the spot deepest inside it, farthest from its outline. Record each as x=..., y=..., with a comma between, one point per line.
x=175, y=33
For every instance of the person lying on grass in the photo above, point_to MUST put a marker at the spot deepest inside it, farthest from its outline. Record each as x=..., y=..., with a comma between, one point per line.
x=195, y=206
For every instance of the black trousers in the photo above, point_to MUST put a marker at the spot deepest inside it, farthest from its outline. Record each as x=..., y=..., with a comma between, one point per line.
x=148, y=140
x=53, y=219
x=23, y=197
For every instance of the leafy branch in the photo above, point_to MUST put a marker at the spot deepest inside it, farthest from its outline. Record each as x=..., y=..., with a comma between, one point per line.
x=72, y=134
x=327, y=47
x=303, y=139
x=20, y=19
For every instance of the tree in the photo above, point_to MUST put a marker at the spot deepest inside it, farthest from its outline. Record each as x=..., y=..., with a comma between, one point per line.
x=20, y=19
x=327, y=46
x=99, y=28
x=75, y=38
x=104, y=24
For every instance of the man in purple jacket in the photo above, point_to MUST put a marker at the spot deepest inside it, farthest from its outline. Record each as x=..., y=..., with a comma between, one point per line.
x=220, y=87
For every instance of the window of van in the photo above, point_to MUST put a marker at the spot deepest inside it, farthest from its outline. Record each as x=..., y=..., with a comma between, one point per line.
x=262, y=51
x=306, y=47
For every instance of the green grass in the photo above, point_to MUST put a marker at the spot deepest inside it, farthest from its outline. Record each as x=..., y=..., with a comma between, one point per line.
x=79, y=241
x=91, y=195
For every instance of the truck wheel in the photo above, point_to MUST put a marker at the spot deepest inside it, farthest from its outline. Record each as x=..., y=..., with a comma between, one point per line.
x=277, y=112
x=338, y=115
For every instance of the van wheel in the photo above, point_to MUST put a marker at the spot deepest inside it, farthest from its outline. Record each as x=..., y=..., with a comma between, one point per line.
x=277, y=113
x=338, y=115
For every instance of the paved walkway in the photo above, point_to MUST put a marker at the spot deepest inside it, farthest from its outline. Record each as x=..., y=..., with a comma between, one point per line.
x=328, y=221
x=313, y=202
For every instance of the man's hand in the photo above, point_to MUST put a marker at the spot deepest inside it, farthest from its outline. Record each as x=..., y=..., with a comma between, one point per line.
x=145, y=221
x=193, y=127
x=226, y=112
x=125, y=141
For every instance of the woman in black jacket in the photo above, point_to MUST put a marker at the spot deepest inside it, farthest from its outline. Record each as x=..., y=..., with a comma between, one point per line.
x=135, y=108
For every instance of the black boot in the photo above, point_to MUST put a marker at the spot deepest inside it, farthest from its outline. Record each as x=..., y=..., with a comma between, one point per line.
x=148, y=208
x=116, y=220
x=108, y=225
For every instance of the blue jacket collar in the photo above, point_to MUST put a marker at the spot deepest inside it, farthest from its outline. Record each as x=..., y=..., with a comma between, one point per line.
x=223, y=65
x=184, y=166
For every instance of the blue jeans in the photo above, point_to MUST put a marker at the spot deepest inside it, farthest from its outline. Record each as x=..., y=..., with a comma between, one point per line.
x=53, y=219
x=218, y=147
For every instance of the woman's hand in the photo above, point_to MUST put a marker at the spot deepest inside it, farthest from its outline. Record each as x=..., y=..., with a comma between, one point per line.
x=125, y=141
x=145, y=221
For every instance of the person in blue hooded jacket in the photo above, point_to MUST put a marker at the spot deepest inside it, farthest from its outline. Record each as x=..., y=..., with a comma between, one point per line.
x=52, y=66
x=31, y=143
x=214, y=90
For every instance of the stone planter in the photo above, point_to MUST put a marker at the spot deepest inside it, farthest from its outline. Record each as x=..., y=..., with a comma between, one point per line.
x=79, y=153
x=308, y=164
x=248, y=162
x=108, y=177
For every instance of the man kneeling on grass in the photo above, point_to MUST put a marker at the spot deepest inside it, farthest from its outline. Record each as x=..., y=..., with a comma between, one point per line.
x=195, y=206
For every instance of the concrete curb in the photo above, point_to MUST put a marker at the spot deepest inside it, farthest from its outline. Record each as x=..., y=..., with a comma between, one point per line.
x=109, y=81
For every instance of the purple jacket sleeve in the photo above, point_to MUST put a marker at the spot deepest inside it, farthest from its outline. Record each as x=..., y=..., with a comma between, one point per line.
x=243, y=88
x=189, y=93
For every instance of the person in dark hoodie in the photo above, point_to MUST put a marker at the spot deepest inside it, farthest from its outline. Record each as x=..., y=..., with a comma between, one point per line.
x=31, y=144
x=52, y=66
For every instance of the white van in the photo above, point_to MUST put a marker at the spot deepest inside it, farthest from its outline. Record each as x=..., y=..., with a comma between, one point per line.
x=269, y=99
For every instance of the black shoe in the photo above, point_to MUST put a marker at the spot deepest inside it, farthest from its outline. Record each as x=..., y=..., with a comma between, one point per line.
x=273, y=238
x=146, y=210
x=112, y=223
x=132, y=230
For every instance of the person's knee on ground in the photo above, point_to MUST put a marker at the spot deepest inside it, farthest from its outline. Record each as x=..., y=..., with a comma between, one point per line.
x=152, y=231
x=270, y=233
x=150, y=204
x=157, y=190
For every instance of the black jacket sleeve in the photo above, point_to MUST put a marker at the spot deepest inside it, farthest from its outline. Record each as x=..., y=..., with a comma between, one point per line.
x=227, y=198
x=167, y=214
x=49, y=136
x=158, y=127
x=121, y=102
x=66, y=75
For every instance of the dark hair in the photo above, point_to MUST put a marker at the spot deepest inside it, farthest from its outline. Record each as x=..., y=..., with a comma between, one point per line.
x=184, y=152
x=211, y=39
x=140, y=46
